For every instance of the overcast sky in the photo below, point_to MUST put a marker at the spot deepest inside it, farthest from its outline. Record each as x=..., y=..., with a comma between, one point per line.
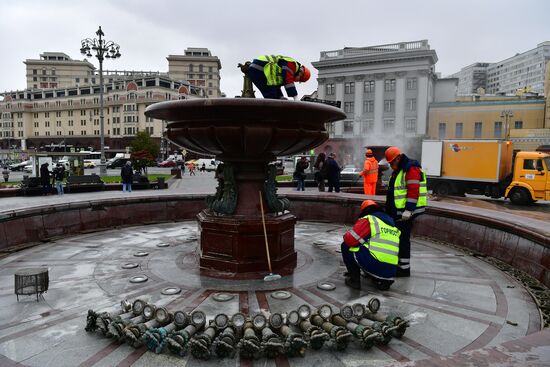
x=461, y=31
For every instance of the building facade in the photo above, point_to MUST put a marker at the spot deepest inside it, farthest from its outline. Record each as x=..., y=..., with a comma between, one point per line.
x=199, y=67
x=61, y=102
x=33, y=119
x=488, y=117
x=522, y=71
x=57, y=70
x=384, y=90
x=471, y=78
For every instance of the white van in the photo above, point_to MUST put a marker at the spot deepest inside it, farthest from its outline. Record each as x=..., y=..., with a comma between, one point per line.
x=210, y=164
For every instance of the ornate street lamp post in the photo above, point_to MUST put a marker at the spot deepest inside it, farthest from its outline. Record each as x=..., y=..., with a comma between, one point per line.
x=103, y=50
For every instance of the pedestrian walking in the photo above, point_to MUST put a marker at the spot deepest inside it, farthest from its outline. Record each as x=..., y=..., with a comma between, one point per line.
x=333, y=173
x=191, y=168
x=405, y=200
x=127, y=175
x=203, y=168
x=319, y=171
x=372, y=245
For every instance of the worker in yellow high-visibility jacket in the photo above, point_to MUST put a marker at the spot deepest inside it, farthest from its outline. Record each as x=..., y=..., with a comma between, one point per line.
x=271, y=72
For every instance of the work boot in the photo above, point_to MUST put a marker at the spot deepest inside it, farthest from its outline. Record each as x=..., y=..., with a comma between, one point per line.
x=382, y=284
x=354, y=283
x=403, y=273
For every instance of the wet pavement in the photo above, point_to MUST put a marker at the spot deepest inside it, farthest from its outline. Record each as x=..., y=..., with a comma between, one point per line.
x=455, y=302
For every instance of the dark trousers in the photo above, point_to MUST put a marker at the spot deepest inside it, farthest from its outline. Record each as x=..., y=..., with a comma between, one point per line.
x=46, y=188
x=404, y=243
x=260, y=81
x=333, y=184
x=362, y=259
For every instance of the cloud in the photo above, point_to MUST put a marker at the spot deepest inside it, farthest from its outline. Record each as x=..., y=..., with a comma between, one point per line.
x=461, y=32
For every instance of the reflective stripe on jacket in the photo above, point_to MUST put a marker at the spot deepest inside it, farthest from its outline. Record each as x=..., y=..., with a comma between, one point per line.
x=383, y=243
x=400, y=194
x=370, y=170
x=274, y=72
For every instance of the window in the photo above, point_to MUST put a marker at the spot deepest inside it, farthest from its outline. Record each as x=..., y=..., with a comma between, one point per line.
x=533, y=164
x=46, y=114
x=369, y=86
x=348, y=127
x=411, y=104
x=349, y=88
x=389, y=125
x=478, y=127
x=200, y=68
x=410, y=125
x=77, y=80
x=389, y=85
x=191, y=68
x=34, y=72
x=58, y=123
x=348, y=107
x=367, y=125
x=149, y=130
x=210, y=69
x=442, y=130
x=368, y=106
x=389, y=105
x=411, y=83
x=518, y=125
x=330, y=89
x=498, y=129
x=47, y=124
x=459, y=128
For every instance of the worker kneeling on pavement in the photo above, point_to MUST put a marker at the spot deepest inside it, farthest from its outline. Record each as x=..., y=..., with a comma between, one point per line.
x=372, y=245
x=270, y=72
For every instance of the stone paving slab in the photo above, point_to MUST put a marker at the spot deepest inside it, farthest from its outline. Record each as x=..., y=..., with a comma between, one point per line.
x=455, y=303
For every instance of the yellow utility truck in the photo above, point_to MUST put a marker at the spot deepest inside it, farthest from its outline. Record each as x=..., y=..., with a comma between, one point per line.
x=486, y=167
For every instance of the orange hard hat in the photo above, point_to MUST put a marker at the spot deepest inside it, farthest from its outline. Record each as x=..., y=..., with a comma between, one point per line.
x=392, y=153
x=305, y=75
x=367, y=203
x=369, y=153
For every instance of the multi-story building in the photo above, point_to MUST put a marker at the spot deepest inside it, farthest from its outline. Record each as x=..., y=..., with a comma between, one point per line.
x=36, y=118
x=490, y=117
x=471, y=78
x=58, y=70
x=523, y=118
x=385, y=91
x=199, y=67
x=521, y=71
x=61, y=102
x=525, y=70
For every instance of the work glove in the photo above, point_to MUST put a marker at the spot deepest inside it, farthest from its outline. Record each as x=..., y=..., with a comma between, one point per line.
x=296, y=98
x=406, y=215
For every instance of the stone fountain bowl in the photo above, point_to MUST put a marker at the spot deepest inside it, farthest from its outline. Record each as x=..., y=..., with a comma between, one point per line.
x=245, y=129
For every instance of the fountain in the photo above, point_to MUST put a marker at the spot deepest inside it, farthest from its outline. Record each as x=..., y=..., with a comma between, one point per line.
x=246, y=134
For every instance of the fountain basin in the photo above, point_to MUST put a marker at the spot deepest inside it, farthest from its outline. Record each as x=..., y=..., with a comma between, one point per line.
x=246, y=134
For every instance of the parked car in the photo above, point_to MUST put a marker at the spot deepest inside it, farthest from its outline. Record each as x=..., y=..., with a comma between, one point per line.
x=117, y=163
x=350, y=176
x=167, y=163
x=19, y=166
x=89, y=164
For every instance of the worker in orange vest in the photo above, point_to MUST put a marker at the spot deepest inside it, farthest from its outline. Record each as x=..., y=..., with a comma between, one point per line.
x=370, y=173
